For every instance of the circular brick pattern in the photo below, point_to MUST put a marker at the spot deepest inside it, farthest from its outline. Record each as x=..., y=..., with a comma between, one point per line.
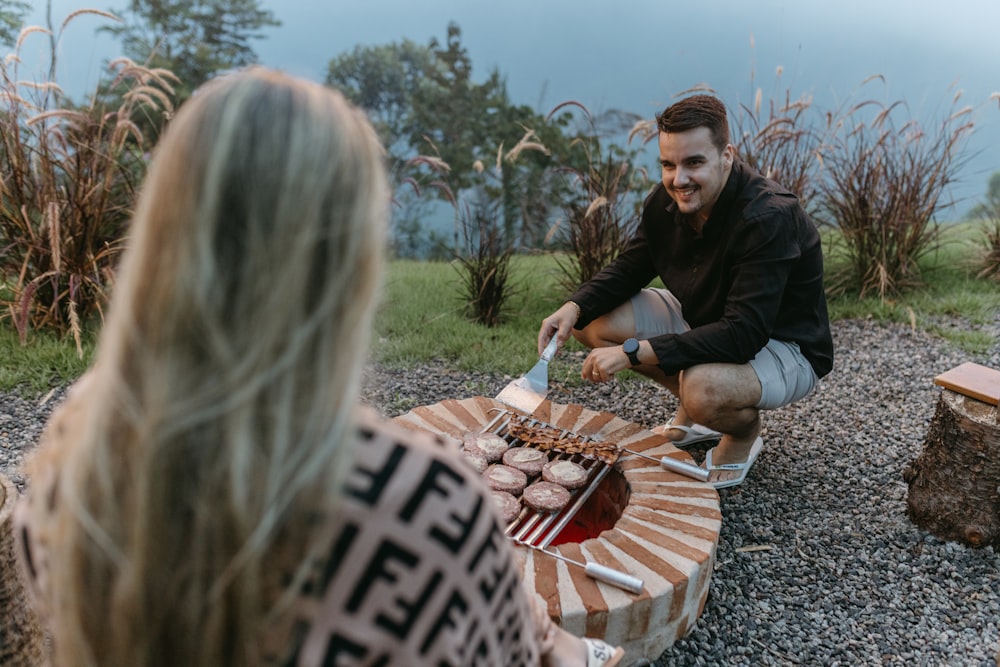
x=667, y=534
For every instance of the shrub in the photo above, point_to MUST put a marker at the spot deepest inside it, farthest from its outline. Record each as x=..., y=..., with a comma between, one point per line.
x=988, y=214
x=989, y=261
x=883, y=186
x=485, y=264
x=68, y=178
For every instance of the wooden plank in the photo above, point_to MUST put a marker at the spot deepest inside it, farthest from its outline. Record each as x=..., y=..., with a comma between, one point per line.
x=971, y=379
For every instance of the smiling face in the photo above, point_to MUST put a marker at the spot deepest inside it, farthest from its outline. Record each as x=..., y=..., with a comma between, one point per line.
x=694, y=171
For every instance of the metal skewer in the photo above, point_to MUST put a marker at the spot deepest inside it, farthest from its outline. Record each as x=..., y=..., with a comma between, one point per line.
x=682, y=467
x=596, y=571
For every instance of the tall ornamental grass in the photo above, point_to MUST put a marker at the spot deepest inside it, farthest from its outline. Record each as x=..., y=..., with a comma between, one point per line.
x=68, y=178
x=484, y=264
x=989, y=259
x=886, y=180
x=782, y=140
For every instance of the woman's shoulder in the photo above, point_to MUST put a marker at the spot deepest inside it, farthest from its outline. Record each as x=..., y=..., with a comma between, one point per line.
x=403, y=461
x=35, y=511
x=374, y=427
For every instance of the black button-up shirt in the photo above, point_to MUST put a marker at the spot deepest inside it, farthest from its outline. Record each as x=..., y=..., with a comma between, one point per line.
x=754, y=273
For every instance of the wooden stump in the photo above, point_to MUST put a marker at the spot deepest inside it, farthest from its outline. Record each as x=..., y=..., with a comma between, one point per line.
x=954, y=485
x=20, y=634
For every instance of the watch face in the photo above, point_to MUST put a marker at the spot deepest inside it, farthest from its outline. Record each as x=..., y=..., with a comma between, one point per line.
x=631, y=348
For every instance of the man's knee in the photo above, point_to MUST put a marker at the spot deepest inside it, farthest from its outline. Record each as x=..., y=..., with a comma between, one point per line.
x=583, y=336
x=709, y=389
x=602, y=332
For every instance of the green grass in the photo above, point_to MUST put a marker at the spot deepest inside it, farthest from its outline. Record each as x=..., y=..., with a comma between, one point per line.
x=422, y=319
x=951, y=291
x=45, y=362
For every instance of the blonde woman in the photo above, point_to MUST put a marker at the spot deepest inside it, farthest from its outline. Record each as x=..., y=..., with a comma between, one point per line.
x=210, y=493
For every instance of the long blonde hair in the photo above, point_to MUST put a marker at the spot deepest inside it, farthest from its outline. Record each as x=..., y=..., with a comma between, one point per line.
x=226, y=379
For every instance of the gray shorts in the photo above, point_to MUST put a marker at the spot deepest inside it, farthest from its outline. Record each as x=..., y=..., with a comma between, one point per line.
x=785, y=374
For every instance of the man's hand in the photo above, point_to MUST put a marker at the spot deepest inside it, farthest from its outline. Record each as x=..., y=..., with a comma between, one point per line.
x=558, y=324
x=603, y=363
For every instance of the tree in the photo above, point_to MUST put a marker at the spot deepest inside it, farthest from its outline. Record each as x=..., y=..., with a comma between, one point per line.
x=383, y=80
x=194, y=39
x=12, y=14
x=990, y=208
x=993, y=191
x=424, y=101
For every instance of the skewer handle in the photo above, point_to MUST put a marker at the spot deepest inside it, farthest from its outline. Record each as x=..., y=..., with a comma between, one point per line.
x=595, y=570
x=681, y=467
x=685, y=468
x=614, y=577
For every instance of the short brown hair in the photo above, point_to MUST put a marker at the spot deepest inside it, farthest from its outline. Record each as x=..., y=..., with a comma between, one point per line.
x=694, y=112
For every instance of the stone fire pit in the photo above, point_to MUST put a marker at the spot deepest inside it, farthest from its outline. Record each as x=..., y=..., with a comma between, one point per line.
x=642, y=520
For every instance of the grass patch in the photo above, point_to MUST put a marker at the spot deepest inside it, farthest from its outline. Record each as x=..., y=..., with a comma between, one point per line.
x=951, y=290
x=422, y=318
x=47, y=361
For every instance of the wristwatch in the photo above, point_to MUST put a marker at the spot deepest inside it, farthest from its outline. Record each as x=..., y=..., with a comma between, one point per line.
x=631, y=349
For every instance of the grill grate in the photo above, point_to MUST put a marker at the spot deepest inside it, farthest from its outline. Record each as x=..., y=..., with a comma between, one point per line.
x=536, y=528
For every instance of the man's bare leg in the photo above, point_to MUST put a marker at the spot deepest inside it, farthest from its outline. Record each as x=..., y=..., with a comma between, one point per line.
x=723, y=397
x=615, y=328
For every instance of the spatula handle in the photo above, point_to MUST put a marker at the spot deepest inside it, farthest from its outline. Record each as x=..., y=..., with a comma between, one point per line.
x=550, y=349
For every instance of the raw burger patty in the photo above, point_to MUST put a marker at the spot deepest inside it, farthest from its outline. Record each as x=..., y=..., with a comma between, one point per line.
x=526, y=459
x=490, y=445
x=504, y=478
x=508, y=505
x=565, y=473
x=476, y=460
x=546, y=497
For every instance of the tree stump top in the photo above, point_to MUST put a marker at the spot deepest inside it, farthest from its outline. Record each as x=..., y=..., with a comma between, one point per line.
x=974, y=380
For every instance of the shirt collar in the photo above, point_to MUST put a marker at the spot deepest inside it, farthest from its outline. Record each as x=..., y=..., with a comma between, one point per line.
x=720, y=212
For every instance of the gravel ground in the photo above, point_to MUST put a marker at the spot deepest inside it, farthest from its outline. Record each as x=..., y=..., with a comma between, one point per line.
x=817, y=563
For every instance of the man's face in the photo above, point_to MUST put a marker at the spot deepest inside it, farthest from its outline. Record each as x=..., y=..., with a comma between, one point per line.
x=694, y=171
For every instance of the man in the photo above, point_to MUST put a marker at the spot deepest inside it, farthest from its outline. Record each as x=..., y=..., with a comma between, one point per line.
x=742, y=325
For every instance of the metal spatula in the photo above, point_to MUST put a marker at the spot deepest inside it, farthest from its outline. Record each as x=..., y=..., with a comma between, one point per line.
x=528, y=391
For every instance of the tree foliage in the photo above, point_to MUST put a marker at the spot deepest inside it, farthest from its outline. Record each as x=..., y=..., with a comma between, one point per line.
x=12, y=14
x=384, y=81
x=424, y=100
x=194, y=39
x=989, y=208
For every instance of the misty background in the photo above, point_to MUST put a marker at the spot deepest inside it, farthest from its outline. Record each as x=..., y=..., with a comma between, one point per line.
x=638, y=55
